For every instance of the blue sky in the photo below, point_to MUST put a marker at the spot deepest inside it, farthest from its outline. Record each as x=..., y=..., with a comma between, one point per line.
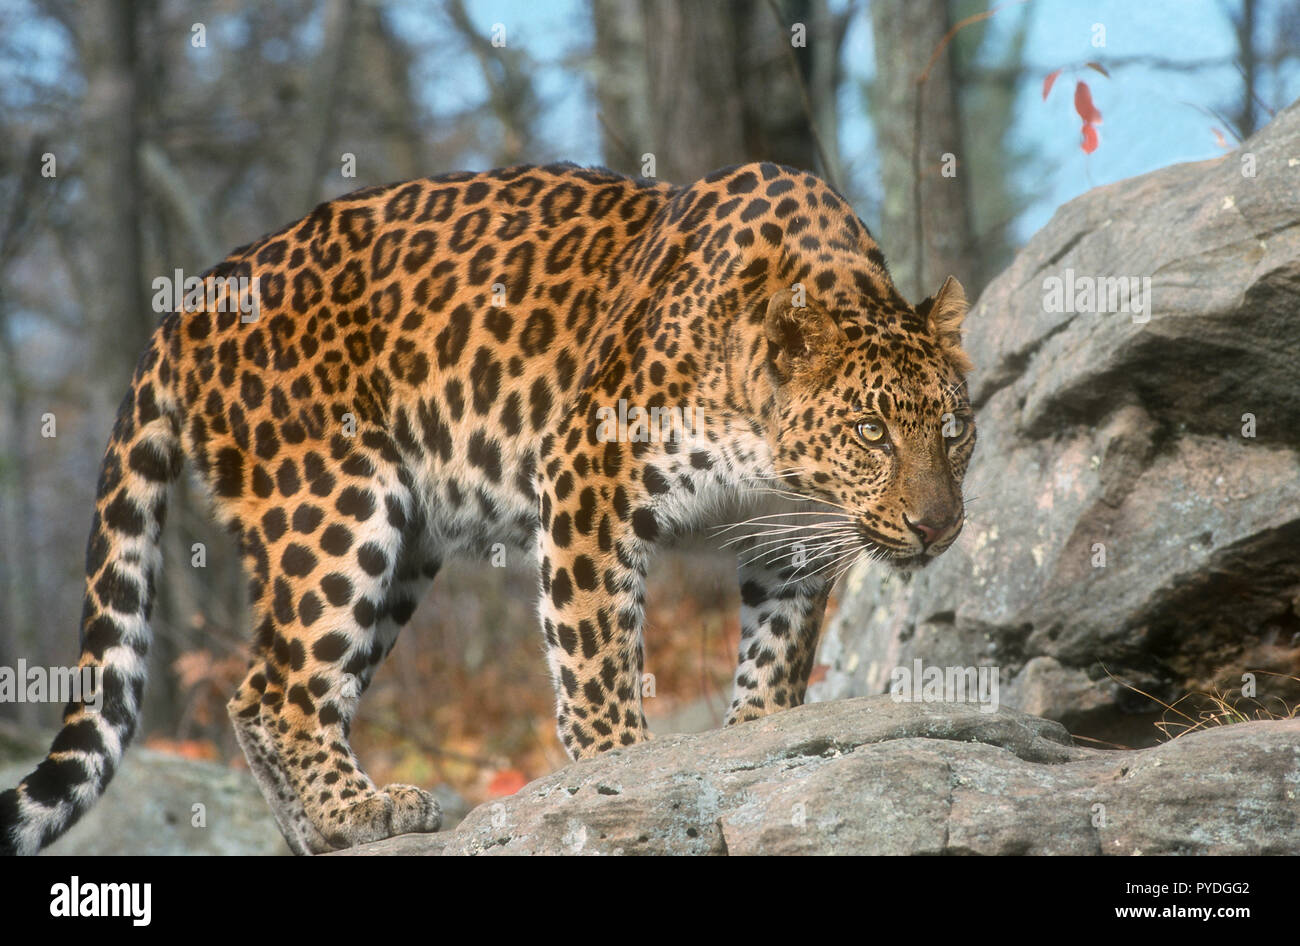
x=1151, y=117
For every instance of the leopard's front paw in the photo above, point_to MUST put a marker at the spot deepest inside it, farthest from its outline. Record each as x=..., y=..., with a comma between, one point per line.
x=392, y=810
x=415, y=810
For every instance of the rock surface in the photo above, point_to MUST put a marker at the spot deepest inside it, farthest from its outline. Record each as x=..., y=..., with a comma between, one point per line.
x=148, y=809
x=871, y=776
x=1122, y=435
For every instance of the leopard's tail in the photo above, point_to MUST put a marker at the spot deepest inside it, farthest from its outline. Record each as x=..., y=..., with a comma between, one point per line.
x=122, y=557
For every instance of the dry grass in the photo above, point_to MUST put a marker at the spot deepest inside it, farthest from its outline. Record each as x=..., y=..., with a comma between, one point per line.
x=1217, y=707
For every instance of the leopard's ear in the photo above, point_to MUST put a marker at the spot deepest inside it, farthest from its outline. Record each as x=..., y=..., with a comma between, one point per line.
x=802, y=339
x=945, y=311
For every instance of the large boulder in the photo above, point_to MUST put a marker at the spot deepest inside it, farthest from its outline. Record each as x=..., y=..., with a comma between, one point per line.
x=874, y=776
x=1135, y=522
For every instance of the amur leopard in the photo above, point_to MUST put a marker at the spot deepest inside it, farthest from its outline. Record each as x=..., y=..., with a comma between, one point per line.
x=432, y=370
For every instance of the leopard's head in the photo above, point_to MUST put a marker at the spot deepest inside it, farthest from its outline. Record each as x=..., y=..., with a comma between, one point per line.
x=873, y=419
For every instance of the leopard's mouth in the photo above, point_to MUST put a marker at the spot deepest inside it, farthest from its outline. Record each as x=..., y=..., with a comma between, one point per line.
x=910, y=560
x=902, y=558
x=883, y=547
x=909, y=563
x=896, y=557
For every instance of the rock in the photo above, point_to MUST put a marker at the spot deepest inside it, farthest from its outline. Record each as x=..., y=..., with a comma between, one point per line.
x=1123, y=521
x=148, y=809
x=872, y=776
x=1045, y=688
x=18, y=743
x=453, y=804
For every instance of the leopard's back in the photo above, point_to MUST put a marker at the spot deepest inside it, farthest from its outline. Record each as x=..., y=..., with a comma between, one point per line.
x=448, y=319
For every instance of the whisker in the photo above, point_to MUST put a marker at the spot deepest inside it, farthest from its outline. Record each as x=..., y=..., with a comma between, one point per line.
x=753, y=520
x=817, y=552
x=814, y=538
x=845, y=568
x=836, y=567
x=771, y=528
x=814, y=542
x=835, y=556
x=788, y=494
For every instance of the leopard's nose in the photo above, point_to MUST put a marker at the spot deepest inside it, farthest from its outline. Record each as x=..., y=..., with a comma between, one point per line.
x=933, y=531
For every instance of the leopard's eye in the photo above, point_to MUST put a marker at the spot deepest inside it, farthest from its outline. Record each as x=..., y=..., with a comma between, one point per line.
x=871, y=431
x=954, y=428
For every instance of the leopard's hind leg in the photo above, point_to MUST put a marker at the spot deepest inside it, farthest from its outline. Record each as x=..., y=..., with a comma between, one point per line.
x=245, y=709
x=338, y=589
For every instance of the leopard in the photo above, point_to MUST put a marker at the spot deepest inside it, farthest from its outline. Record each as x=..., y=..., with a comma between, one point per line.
x=431, y=368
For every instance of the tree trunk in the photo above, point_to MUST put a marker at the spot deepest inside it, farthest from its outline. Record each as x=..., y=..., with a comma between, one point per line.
x=619, y=69
x=925, y=217
x=702, y=86
x=1244, y=26
x=693, y=86
x=119, y=310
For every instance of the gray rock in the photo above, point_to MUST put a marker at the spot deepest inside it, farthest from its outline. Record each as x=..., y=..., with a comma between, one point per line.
x=871, y=776
x=148, y=808
x=1102, y=433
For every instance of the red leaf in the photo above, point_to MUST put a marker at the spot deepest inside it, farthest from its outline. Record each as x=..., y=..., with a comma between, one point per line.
x=1221, y=141
x=506, y=782
x=185, y=748
x=1090, y=141
x=1098, y=67
x=1083, y=104
x=818, y=673
x=1047, y=83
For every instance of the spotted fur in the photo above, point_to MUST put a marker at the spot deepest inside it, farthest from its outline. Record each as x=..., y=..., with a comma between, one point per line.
x=426, y=378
